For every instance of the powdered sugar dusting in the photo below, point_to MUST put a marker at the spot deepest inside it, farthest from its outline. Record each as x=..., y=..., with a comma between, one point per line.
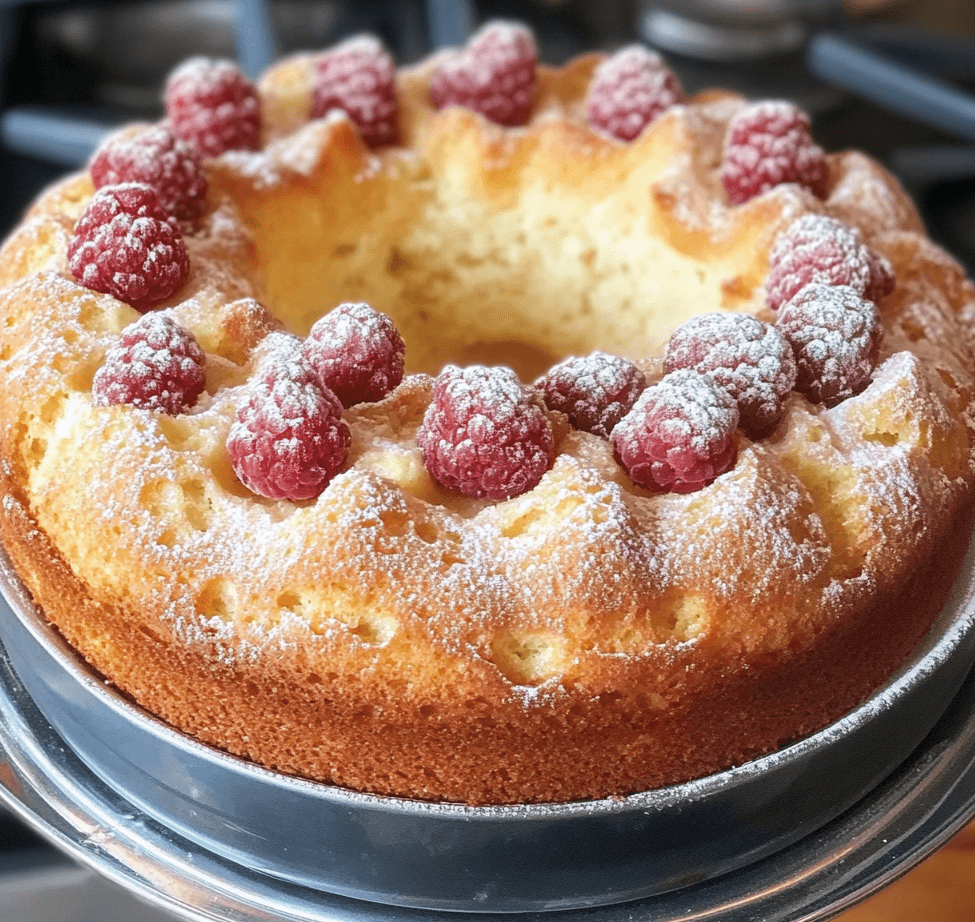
x=493, y=75
x=836, y=336
x=594, y=391
x=750, y=359
x=680, y=433
x=817, y=248
x=629, y=90
x=770, y=143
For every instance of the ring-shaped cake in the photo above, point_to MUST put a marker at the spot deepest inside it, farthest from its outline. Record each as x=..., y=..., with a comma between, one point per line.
x=581, y=631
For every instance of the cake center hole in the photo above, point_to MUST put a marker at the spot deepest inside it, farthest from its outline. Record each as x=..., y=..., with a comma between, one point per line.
x=528, y=360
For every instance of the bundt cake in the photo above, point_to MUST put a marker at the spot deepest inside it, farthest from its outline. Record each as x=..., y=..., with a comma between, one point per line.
x=481, y=431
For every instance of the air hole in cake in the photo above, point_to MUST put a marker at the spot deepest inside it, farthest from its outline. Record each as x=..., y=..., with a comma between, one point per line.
x=528, y=658
x=218, y=599
x=948, y=378
x=427, y=531
x=375, y=629
x=196, y=505
x=82, y=374
x=151, y=634
x=884, y=438
x=912, y=330
x=51, y=410
x=692, y=616
x=288, y=600
x=37, y=448
x=181, y=434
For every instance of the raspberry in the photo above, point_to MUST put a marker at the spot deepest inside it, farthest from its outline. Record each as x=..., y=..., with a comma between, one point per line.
x=159, y=159
x=816, y=248
x=629, y=90
x=751, y=360
x=125, y=245
x=770, y=143
x=157, y=365
x=595, y=392
x=679, y=435
x=494, y=74
x=289, y=439
x=836, y=336
x=359, y=77
x=213, y=105
x=357, y=352
x=484, y=433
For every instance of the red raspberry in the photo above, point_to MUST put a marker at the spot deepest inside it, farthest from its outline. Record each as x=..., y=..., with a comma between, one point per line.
x=751, y=360
x=157, y=365
x=359, y=77
x=816, y=248
x=836, y=336
x=159, y=159
x=494, y=74
x=357, y=352
x=484, y=433
x=679, y=435
x=126, y=245
x=770, y=143
x=595, y=392
x=289, y=439
x=213, y=105
x=629, y=90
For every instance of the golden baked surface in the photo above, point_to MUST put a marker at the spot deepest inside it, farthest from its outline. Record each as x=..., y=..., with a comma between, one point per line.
x=585, y=639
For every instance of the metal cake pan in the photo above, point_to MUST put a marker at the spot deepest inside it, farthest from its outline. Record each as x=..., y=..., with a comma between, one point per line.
x=481, y=859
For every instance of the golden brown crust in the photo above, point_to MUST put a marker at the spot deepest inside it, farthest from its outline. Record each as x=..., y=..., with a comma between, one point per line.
x=583, y=640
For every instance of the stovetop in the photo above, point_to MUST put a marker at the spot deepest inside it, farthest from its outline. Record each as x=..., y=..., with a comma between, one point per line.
x=62, y=63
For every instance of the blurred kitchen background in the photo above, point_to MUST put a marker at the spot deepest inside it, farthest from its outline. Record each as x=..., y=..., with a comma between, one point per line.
x=893, y=77
x=69, y=70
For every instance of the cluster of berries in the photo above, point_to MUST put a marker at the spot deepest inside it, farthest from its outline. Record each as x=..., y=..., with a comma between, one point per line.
x=151, y=186
x=728, y=371
x=288, y=440
x=487, y=435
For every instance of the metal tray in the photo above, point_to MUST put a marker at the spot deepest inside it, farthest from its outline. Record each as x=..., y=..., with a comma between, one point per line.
x=929, y=798
x=326, y=850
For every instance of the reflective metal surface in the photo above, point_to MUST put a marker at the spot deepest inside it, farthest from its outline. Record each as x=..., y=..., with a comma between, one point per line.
x=502, y=859
x=922, y=804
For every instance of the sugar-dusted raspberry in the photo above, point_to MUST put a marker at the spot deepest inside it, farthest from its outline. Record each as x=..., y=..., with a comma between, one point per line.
x=357, y=352
x=835, y=335
x=494, y=74
x=213, y=105
x=358, y=76
x=156, y=365
x=679, y=435
x=816, y=248
x=289, y=439
x=159, y=159
x=629, y=90
x=769, y=143
x=484, y=433
x=126, y=245
x=750, y=359
x=595, y=391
